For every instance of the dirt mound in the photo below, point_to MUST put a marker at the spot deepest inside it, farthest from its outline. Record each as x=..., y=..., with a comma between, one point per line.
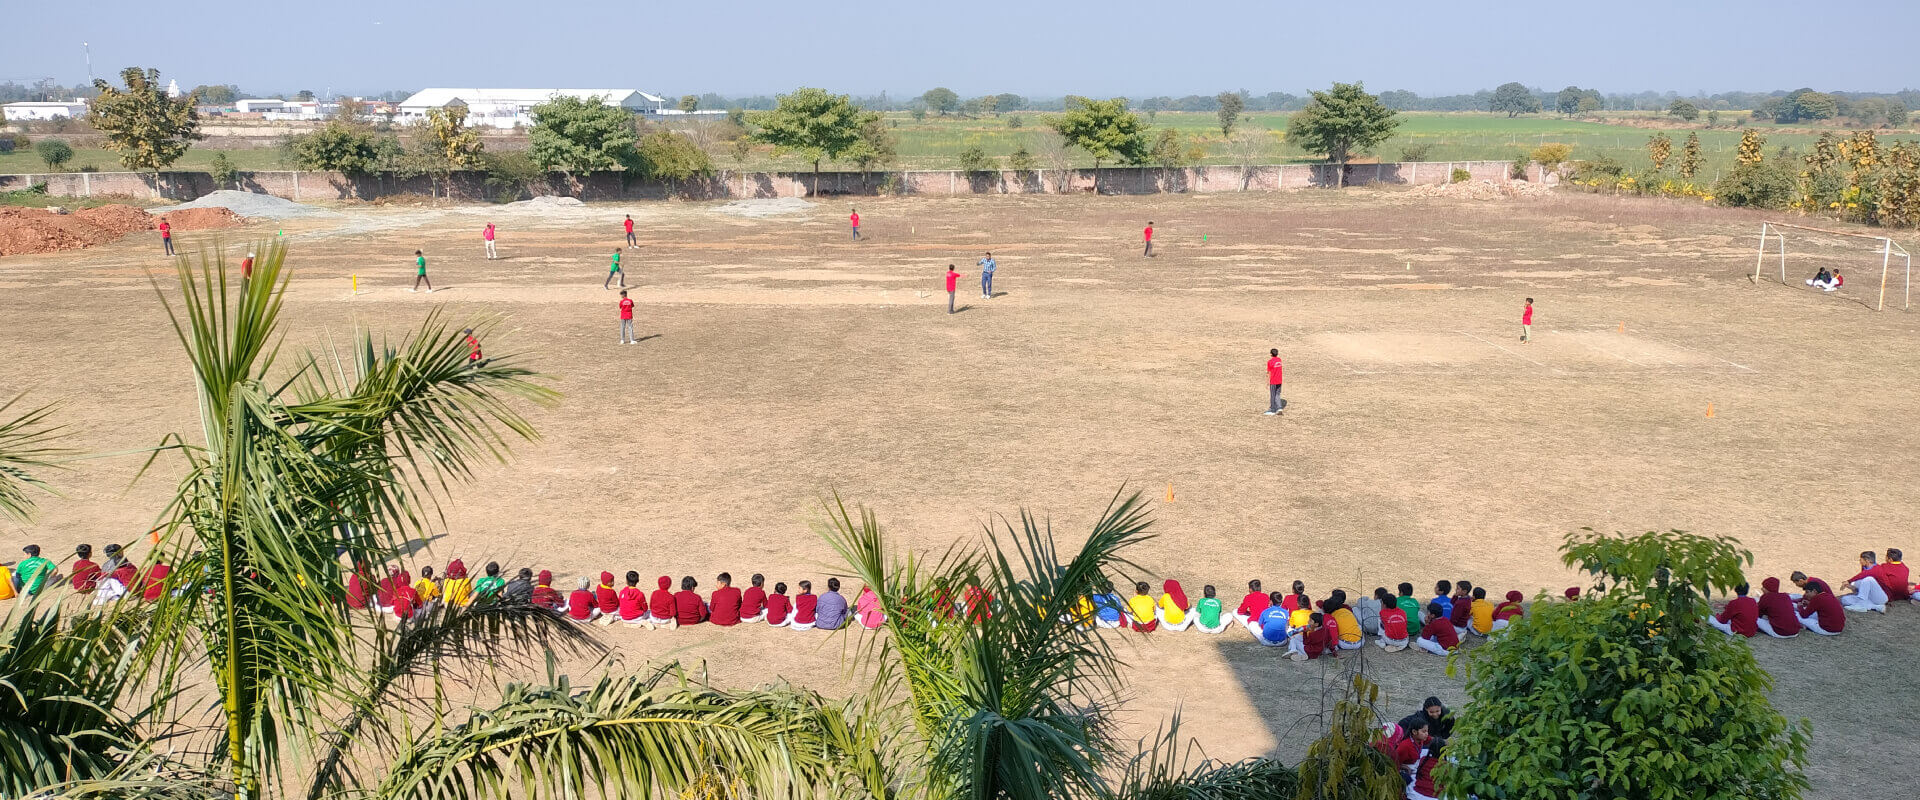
x=116, y=220
x=202, y=219
x=32, y=230
x=1481, y=190
x=250, y=204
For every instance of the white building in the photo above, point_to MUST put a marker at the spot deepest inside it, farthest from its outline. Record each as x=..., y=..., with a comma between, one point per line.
x=26, y=111
x=253, y=106
x=505, y=108
x=304, y=110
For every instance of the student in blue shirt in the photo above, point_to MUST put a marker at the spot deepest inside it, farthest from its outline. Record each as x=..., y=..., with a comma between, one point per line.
x=1274, y=630
x=1107, y=608
x=986, y=276
x=1442, y=598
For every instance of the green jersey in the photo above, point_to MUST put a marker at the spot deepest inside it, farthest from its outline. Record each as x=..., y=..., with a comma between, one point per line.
x=422, y=263
x=1208, y=609
x=616, y=263
x=1412, y=607
x=488, y=586
x=33, y=572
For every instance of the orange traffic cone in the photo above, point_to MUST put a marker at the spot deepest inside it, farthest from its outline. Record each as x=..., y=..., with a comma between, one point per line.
x=1709, y=411
x=1169, y=492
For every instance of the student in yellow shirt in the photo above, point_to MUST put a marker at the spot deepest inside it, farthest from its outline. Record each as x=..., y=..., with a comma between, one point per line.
x=458, y=588
x=1351, y=638
x=1482, y=614
x=1174, y=606
x=1140, y=609
x=426, y=587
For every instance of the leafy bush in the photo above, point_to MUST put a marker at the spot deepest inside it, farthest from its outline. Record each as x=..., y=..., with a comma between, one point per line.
x=1022, y=161
x=54, y=152
x=222, y=171
x=1518, y=169
x=1599, y=168
x=665, y=154
x=1461, y=175
x=973, y=159
x=1552, y=154
x=511, y=174
x=1416, y=151
x=1762, y=185
x=1014, y=121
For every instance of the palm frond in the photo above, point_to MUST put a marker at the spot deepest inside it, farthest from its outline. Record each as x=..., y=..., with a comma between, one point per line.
x=65, y=709
x=25, y=446
x=1168, y=770
x=636, y=735
x=142, y=775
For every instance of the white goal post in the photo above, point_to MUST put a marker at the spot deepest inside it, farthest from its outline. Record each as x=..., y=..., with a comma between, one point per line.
x=1887, y=247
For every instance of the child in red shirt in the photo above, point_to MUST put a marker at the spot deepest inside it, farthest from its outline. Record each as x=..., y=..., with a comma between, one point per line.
x=1439, y=636
x=688, y=609
x=1148, y=233
x=1312, y=642
x=803, y=606
x=660, y=605
x=166, y=236
x=633, y=601
x=855, y=219
x=605, y=597
x=1526, y=322
x=778, y=606
x=724, y=608
x=1777, y=617
x=953, y=281
x=580, y=605
x=1741, y=617
x=753, y=601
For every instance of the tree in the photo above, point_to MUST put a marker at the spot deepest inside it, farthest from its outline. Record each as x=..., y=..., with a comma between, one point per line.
x=1231, y=104
x=877, y=147
x=941, y=100
x=577, y=136
x=1684, y=110
x=974, y=159
x=1659, y=149
x=54, y=152
x=221, y=170
x=1103, y=128
x=1568, y=100
x=1713, y=119
x=1551, y=155
x=979, y=106
x=1514, y=98
x=1690, y=159
x=147, y=128
x=1007, y=101
x=1589, y=104
x=689, y=103
x=304, y=95
x=817, y=125
x=1343, y=763
x=1897, y=113
x=1171, y=150
x=1340, y=122
x=1054, y=152
x=217, y=94
x=1752, y=147
x=342, y=147
x=1628, y=695
x=673, y=156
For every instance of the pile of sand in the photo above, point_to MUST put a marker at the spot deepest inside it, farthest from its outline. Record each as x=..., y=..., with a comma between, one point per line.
x=1481, y=190
x=546, y=201
x=202, y=219
x=766, y=208
x=35, y=230
x=252, y=204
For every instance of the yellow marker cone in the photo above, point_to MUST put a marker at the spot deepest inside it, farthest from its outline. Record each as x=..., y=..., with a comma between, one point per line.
x=1709, y=411
x=1623, y=327
x=356, y=283
x=1169, y=492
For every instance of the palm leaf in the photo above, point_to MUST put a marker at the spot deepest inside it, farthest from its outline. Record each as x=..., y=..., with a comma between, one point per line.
x=64, y=704
x=24, y=447
x=1168, y=770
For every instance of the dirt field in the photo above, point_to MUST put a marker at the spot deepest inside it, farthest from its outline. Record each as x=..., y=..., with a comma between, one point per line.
x=1424, y=441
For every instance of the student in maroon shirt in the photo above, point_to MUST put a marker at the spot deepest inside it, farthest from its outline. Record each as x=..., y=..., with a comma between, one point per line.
x=86, y=574
x=153, y=583
x=580, y=605
x=1439, y=636
x=1741, y=617
x=633, y=601
x=660, y=605
x=1504, y=613
x=605, y=597
x=1313, y=642
x=1876, y=584
x=803, y=606
x=1423, y=787
x=1461, y=615
x=1777, y=617
x=753, y=601
x=724, y=607
x=1820, y=611
x=779, y=608
x=688, y=609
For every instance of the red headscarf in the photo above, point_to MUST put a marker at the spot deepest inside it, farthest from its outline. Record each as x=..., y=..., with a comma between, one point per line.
x=660, y=603
x=1573, y=593
x=543, y=593
x=456, y=570
x=1770, y=585
x=1173, y=590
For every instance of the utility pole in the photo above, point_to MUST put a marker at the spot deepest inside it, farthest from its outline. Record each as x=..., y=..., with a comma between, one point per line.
x=88, y=49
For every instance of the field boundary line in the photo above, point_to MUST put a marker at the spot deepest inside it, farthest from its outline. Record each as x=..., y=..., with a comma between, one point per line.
x=1504, y=349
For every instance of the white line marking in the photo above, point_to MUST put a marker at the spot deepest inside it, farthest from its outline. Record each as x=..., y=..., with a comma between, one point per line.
x=1605, y=351
x=1704, y=353
x=1508, y=352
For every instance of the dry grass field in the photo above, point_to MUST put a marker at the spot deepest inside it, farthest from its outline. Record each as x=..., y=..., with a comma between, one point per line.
x=782, y=362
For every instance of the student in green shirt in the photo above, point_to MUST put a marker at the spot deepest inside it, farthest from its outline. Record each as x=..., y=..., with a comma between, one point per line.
x=1409, y=604
x=615, y=270
x=420, y=275
x=33, y=572
x=1206, y=612
x=489, y=586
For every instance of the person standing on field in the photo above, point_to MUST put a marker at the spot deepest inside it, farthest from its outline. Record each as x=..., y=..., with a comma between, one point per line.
x=166, y=236
x=987, y=266
x=855, y=219
x=1148, y=233
x=953, y=282
x=1526, y=322
x=1275, y=405
x=615, y=271
x=626, y=318
x=420, y=273
x=631, y=242
x=488, y=236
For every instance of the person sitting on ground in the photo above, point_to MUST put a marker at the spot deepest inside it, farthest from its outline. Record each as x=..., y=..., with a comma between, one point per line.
x=1443, y=594
x=977, y=602
x=831, y=612
x=1173, y=608
x=633, y=601
x=85, y=576
x=723, y=607
x=33, y=572
x=490, y=584
x=1438, y=636
x=1367, y=610
x=1775, y=614
x=1461, y=612
x=660, y=608
x=1140, y=610
x=1313, y=641
x=1423, y=786
x=866, y=608
x=753, y=601
x=1821, y=279
x=605, y=597
x=805, y=606
x=1820, y=611
x=1296, y=597
x=1741, y=617
x=114, y=560
x=1480, y=613
x=1346, y=626
x=779, y=608
x=1301, y=613
x=426, y=589
x=383, y=594
x=153, y=582
x=1393, y=621
x=580, y=602
x=1439, y=720
x=406, y=602
x=1272, y=628
x=520, y=589
x=1876, y=584
x=113, y=584
x=1406, y=744
x=1209, y=614
x=1251, y=605
x=544, y=595
x=357, y=583
x=1109, y=609
x=1504, y=613
x=688, y=608
x=457, y=588
x=1409, y=604
x=1082, y=613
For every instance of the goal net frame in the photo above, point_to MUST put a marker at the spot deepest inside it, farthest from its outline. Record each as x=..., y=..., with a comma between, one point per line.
x=1888, y=249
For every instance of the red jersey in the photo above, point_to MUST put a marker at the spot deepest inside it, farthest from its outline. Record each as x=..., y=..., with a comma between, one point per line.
x=660, y=604
x=1393, y=623
x=1441, y=630
x=856, y=219
x=953, y=279
x=777, y=608
x=1742, y=614
x=580, y=605
x=687, y=607
x=606, y=598
x=626, y=308
x=1462, y=613
x=1253, y=604
x=752, y=601
x=405, y=600
x=1273, y=371
x=629, y=227
x=474, y=347
x=166, y=231
x=1423, y=779
x=153, y=583
x=1149, y=233
x=1777, y=609
x=86, y=575
x=356, y=591
x=246, y=267
x=725, y=606
x=488, y=233
x=1526, y=317
x=633, y=603
x=803, y=608
x=1892, y=576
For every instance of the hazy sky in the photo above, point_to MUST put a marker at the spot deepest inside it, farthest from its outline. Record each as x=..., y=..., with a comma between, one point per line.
x=1030, y=47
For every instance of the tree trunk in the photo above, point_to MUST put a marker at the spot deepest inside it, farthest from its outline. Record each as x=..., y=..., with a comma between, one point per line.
x=1340, y=174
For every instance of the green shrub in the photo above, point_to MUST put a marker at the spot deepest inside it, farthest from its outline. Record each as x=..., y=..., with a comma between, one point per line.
x=1551, y=154
x=222, y=171
x=1022, y=161
x=1415, y=152
x=1599, y=168
x=1461, y=175
x=1519, y=167
x=510, y=174
x=1014, y=121
x=1763, y=185
x=54, y=152
x=973, y=159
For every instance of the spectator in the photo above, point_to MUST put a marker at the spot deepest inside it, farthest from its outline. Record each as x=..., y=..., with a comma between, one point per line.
x=1776, y=614
x=1741, y=617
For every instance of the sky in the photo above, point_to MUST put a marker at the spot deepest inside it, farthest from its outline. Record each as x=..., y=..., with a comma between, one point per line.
x=1035, y=47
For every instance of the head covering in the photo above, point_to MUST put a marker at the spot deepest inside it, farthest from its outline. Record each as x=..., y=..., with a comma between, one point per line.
x=1573, y=593
x=546, y=577
x=666, y=583
x=606, y=578
x=1515, y=596
x=1771, y=584
x=1173, y=590
x=456, y=569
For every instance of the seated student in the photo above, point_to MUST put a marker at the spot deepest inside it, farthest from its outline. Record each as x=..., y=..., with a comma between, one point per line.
x=633, y=601
x=1301, y=613
x=114, y=584
x=357, y=594
x=383, y=594
x=1251, y=605
x=457, y=589
x=1393, y=622
x=426, y=588
x=544, y=595
x=1346, y=632
x=778, y=607
x=1271, y=628
x=86, y=574
x=1461, y=612
x=1442, y=594
x=866, y=609
x=581, y=606
x=1438, y=636
x=723, y=607
x=1775, y=614
x=688, y=608
x=977, y=602
x=114, y=560
x=660, y=608
x=1409, y=604
x=753, y=601
x=1312, y=641
x=1140, y=610
x=490, y=584
x=805, y=606
x=153, y=583
x=1367, y=610
x=33, y=572
x=1820, y=611
x=831, y=612
x=605, y=597
x=1741, y=617
x=1821, y=279
x=406, y=602
x=1174, y=608
x=1405, y=745
x=1480, y=612
x=1209, y=613
x=1296, y=597
x=1423, y=786
x=520, y=589
x=1504, y=613
x=1081, y=614
x=1434, y=713
x=1109, y=609
x=1876, y=584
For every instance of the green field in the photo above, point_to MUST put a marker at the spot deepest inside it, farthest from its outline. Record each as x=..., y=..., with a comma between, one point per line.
x=22, y=162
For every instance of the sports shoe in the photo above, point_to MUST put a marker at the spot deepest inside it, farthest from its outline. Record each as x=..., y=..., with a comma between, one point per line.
x=1270, y=413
